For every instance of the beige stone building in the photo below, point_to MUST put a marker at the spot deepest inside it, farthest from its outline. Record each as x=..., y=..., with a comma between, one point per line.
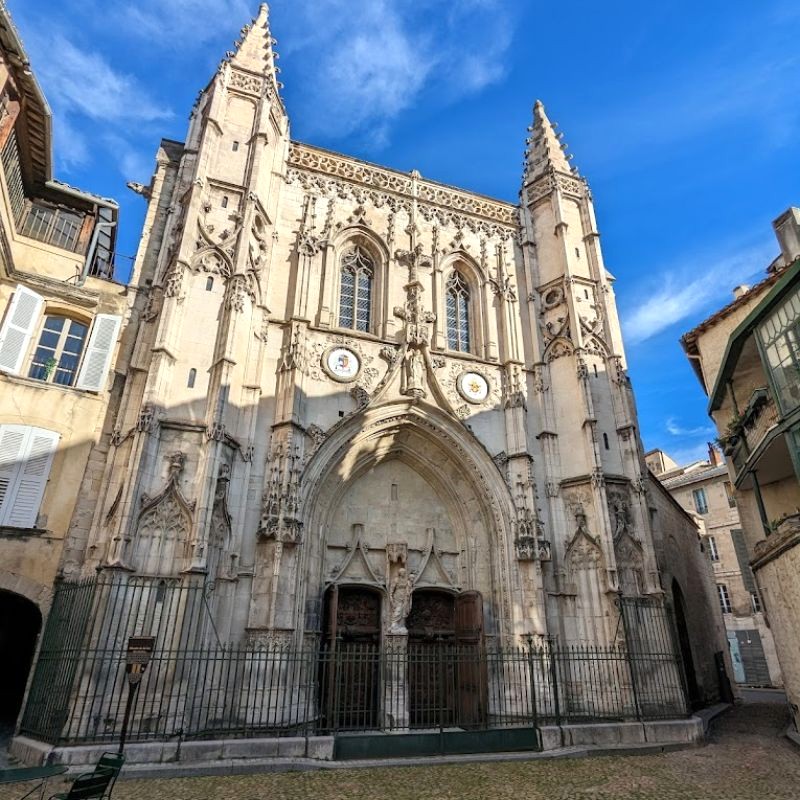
x=60, y=319
x=704, y=490
x=746, y=356
x=365, y=412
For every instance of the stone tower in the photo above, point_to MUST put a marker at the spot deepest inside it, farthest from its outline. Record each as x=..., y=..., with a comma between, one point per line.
x=584, y=419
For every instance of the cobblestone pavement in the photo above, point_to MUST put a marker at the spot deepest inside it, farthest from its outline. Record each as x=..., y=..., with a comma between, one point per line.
x=746, y=759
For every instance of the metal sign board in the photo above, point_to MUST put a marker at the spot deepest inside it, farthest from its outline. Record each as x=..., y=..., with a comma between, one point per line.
x=140, y=651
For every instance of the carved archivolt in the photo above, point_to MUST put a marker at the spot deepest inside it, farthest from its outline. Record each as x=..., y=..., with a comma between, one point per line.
x=558, y=348
x=345, y=439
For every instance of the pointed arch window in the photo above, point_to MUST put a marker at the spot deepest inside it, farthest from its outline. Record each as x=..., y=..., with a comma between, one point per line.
x=355, y=289
x=457, y=301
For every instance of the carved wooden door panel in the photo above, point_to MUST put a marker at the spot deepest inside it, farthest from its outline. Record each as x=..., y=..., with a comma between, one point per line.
x=470, y=663
x=351, y=658
x=431, y=667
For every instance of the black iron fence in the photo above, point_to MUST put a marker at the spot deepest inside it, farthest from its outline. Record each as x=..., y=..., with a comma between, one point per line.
x=196, y=689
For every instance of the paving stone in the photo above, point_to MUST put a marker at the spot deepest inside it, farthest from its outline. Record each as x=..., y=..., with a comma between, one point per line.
x=746, y=758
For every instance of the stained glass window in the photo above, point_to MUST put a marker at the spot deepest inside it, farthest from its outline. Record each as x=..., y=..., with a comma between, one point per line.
x=458, y=313
x=355, y=290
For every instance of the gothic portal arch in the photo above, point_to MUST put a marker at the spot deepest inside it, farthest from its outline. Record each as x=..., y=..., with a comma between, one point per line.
x=402, y=483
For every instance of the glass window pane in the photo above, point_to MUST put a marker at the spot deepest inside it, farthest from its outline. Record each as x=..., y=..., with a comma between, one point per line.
x=355, y=292
x=780, y=338
x=347, y=296
x=457, y=303
x=54, y=324
x=58, y=353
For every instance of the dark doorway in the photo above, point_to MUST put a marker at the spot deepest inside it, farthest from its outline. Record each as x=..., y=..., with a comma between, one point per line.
x=446, y=670
x=350, y=661
x=20, y=622
x=684, y=642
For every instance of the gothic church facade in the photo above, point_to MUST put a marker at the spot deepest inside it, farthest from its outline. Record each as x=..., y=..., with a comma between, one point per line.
x=361, y=403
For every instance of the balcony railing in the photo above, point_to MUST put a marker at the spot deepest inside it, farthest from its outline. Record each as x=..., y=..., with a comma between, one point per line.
x=760, y=416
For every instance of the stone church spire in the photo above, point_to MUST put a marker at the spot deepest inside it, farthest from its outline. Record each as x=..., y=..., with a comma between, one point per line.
x=545, y=150
x=254, y=50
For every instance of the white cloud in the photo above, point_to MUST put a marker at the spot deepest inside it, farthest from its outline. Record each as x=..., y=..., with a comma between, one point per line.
x=72, y=146
x=185, y=22
x=674, y=428
x=362, y=65
x=691, y=288
x=92, y=101
x=83, y=82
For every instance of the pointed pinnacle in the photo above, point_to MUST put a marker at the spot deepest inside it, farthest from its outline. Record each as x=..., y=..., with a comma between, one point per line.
x=254, y=50
x=547, y=150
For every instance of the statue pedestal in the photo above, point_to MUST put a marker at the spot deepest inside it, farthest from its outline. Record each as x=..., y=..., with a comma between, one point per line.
x=395, y=687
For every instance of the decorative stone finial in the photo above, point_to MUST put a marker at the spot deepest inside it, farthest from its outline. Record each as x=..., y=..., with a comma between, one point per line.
x=545, y=150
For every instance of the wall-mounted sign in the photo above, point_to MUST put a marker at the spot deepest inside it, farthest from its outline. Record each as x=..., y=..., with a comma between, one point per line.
x=473, y=387
x=342, y=364
x=140, y=651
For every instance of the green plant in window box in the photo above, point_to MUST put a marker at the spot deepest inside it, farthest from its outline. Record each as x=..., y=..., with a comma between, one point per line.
x=49, y=367
x=732, y=434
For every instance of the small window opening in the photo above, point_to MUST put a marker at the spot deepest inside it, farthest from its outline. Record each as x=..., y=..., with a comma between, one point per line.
x=192, y=378
x=235, y=146
x=605, y=441
x=394, y=491
x=594, y=367
x=209, y=283
x=225, y=201
x=577, y=253
x=586, y=293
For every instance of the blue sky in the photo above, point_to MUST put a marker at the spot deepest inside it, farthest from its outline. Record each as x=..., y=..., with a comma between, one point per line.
x=684, y=117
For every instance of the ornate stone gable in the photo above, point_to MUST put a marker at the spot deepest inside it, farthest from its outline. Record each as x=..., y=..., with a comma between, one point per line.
x=161, y=539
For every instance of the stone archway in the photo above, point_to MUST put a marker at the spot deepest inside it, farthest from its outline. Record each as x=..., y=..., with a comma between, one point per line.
x=406, y=479
x=20, y=623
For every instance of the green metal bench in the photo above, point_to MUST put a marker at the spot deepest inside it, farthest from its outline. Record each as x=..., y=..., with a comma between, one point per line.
x=96, y=784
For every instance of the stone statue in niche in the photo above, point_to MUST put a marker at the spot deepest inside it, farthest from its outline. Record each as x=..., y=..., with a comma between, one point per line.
x=415, y=373
x=620, y=513
x=580, y=519
x=399, y=601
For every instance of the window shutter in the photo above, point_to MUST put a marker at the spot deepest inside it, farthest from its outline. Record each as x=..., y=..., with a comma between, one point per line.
x=21, y=321
x=13, y=439
x=99, y=352
x=33, y=474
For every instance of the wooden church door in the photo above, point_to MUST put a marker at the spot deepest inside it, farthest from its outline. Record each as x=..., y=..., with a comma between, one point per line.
x=470, y=661
x=350, y=664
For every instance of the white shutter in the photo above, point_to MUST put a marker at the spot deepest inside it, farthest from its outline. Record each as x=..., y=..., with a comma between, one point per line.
x=32, y=479
x=23, y=316
x=26, y=455
x=99, y=352
x=13, y=442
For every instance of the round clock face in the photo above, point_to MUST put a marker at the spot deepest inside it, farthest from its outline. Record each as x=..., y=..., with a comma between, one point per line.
x=342, y=364
x=473, y=387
